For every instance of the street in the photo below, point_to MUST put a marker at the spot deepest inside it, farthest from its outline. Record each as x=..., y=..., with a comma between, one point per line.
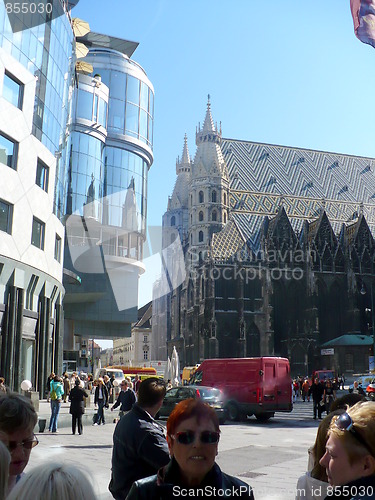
x=269, y=456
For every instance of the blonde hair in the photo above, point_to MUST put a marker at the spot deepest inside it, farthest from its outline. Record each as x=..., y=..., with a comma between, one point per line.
x=54, y=481
x=4, y=470
x=129, y=381
x=363, y=417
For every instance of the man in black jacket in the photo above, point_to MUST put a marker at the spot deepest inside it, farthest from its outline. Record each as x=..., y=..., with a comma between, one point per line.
x=126, y=399
x=139, y=444
x=316, y=391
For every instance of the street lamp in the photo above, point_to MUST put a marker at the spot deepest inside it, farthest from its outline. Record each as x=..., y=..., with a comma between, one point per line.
x=363, y=292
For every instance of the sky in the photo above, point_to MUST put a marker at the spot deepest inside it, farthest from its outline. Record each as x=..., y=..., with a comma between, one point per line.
x=287, y=72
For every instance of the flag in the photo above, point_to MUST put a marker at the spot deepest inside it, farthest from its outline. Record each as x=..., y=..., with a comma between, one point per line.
x=363, y=12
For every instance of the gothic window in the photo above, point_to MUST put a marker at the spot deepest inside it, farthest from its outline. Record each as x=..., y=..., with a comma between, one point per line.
x=225, y=217
x=225, y=198
x=213, y=197
x=191, y=199
x=191, y=239
x=191, y=218
x=201, y=197
x=200, y=216
x=200, y=239
x=173, y=221
x=214, y=215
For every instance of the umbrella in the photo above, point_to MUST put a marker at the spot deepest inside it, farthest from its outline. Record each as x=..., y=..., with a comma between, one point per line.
x=167, y=371
x=80, y=28
x=81, y=50
x=175, y=363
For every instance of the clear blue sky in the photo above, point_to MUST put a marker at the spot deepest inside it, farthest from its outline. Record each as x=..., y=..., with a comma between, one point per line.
x=286, y=72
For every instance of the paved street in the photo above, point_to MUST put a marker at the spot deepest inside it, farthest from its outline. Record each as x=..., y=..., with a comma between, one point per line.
x=269, y=456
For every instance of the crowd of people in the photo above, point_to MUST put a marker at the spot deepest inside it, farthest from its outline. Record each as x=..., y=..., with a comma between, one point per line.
x=149, y=464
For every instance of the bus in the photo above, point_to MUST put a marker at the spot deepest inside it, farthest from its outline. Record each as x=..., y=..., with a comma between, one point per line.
x=132, y=371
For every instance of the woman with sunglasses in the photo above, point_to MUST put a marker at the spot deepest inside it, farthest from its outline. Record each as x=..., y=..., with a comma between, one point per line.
x=349, y=459
x=193, y=436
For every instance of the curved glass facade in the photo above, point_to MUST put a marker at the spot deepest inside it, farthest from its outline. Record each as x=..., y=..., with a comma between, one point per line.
x=131, y=94
x=47, y=52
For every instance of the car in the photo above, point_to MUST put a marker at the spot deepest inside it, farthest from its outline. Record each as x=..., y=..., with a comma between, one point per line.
x=214, y=397
x=370, y=390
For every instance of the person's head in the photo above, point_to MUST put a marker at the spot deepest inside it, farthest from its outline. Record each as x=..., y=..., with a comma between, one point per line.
x=193, y=436
x=56, y=378
x=77, y=382
x=65, y=375
x=151, y=392
x=124, y=385
x=51, y=375
x=17, y=421
x=106, y=378
x=100, y=381
x=319, y=448
x=54, y=480
x=316, y=381
x=350, y=448
x=4, y=470
x=346, y=400
x=2, y=380
x=136, y=378
x=355, y=384
x=328, y=383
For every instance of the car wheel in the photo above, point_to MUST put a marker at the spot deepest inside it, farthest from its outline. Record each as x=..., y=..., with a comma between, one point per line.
x=233, y=412
x=264, y=417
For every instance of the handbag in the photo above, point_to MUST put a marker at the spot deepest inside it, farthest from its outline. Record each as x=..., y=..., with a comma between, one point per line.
x=322, y=403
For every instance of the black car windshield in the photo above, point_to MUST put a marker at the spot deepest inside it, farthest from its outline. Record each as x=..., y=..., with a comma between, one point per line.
x=209, y=393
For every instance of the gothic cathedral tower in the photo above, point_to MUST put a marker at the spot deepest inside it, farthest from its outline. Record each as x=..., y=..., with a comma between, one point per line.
x=209, y=188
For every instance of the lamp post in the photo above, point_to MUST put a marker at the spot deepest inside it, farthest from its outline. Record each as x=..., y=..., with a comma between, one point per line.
x=363, y=292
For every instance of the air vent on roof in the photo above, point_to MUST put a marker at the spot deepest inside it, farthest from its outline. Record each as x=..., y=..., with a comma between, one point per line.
x=366, y=169
x=344, y=189
x=334, y=165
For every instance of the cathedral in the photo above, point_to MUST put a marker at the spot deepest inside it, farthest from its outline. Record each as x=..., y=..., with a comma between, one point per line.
x=278, y=255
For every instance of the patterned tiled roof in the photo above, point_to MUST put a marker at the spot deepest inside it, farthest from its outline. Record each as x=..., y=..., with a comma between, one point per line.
x=264, y=177
x=228, y=241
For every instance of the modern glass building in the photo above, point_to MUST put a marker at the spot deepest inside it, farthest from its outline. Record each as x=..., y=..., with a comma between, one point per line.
x=35, y=87
x=106, y=199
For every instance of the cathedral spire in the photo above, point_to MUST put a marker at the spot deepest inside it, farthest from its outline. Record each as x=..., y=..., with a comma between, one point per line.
x=185, y=164
x=209, y=132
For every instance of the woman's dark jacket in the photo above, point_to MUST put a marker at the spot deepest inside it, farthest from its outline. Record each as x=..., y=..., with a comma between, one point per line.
x=104, y=392
x=165, y=485
x=360, y=489
x=76, y=395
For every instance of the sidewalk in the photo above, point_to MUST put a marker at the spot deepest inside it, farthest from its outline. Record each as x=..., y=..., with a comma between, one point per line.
x=65, y=418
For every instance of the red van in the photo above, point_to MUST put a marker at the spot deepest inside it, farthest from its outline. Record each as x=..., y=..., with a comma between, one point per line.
x=251, y=386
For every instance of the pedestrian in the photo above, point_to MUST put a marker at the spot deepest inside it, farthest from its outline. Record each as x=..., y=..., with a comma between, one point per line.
x=349, y=459
x=108, y=384
x=101, y=400
x=3, y=387
x=77, y=406
x=17, y=421
x=66, y=383
x=51, y=376
x=305, y=390
x=137, y=382
x=4, y=469
x=357, y=389
x=169, y=385
x=54, y=481
x=295, y=389
x=129, y=381
x=139, y=445
x=329, y=395
x=126, y=399
x=56, y=394
x=316, y=391
x=313, y=484
x=193, y=437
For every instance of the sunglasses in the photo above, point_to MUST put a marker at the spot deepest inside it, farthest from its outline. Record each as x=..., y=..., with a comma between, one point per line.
x=27, y=444
x=345, y=423
x=188, y=437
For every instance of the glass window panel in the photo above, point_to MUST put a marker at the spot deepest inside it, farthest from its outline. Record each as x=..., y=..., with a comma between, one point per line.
x=96, y=102
x=58, y=248
x=84, y=106
x=143, y=123
x=6, y=212
x=132, y=91
x=42, y=174
x=151, y=103
x=131, y=123
x=144, y=96
x=12, y=90
x=150, y=129
x=116, y=114
x=8, y=152
x=37, y=235
x=102, y=113
x=118, y=85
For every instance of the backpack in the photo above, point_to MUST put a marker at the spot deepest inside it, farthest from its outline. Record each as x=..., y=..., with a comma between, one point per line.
x=53, y=394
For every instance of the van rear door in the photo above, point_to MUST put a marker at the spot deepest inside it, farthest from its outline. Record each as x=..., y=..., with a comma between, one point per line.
x=283, y=385
x=270, y=392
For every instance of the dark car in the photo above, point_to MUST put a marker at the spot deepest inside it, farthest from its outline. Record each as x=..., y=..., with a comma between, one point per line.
x=214, y=397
